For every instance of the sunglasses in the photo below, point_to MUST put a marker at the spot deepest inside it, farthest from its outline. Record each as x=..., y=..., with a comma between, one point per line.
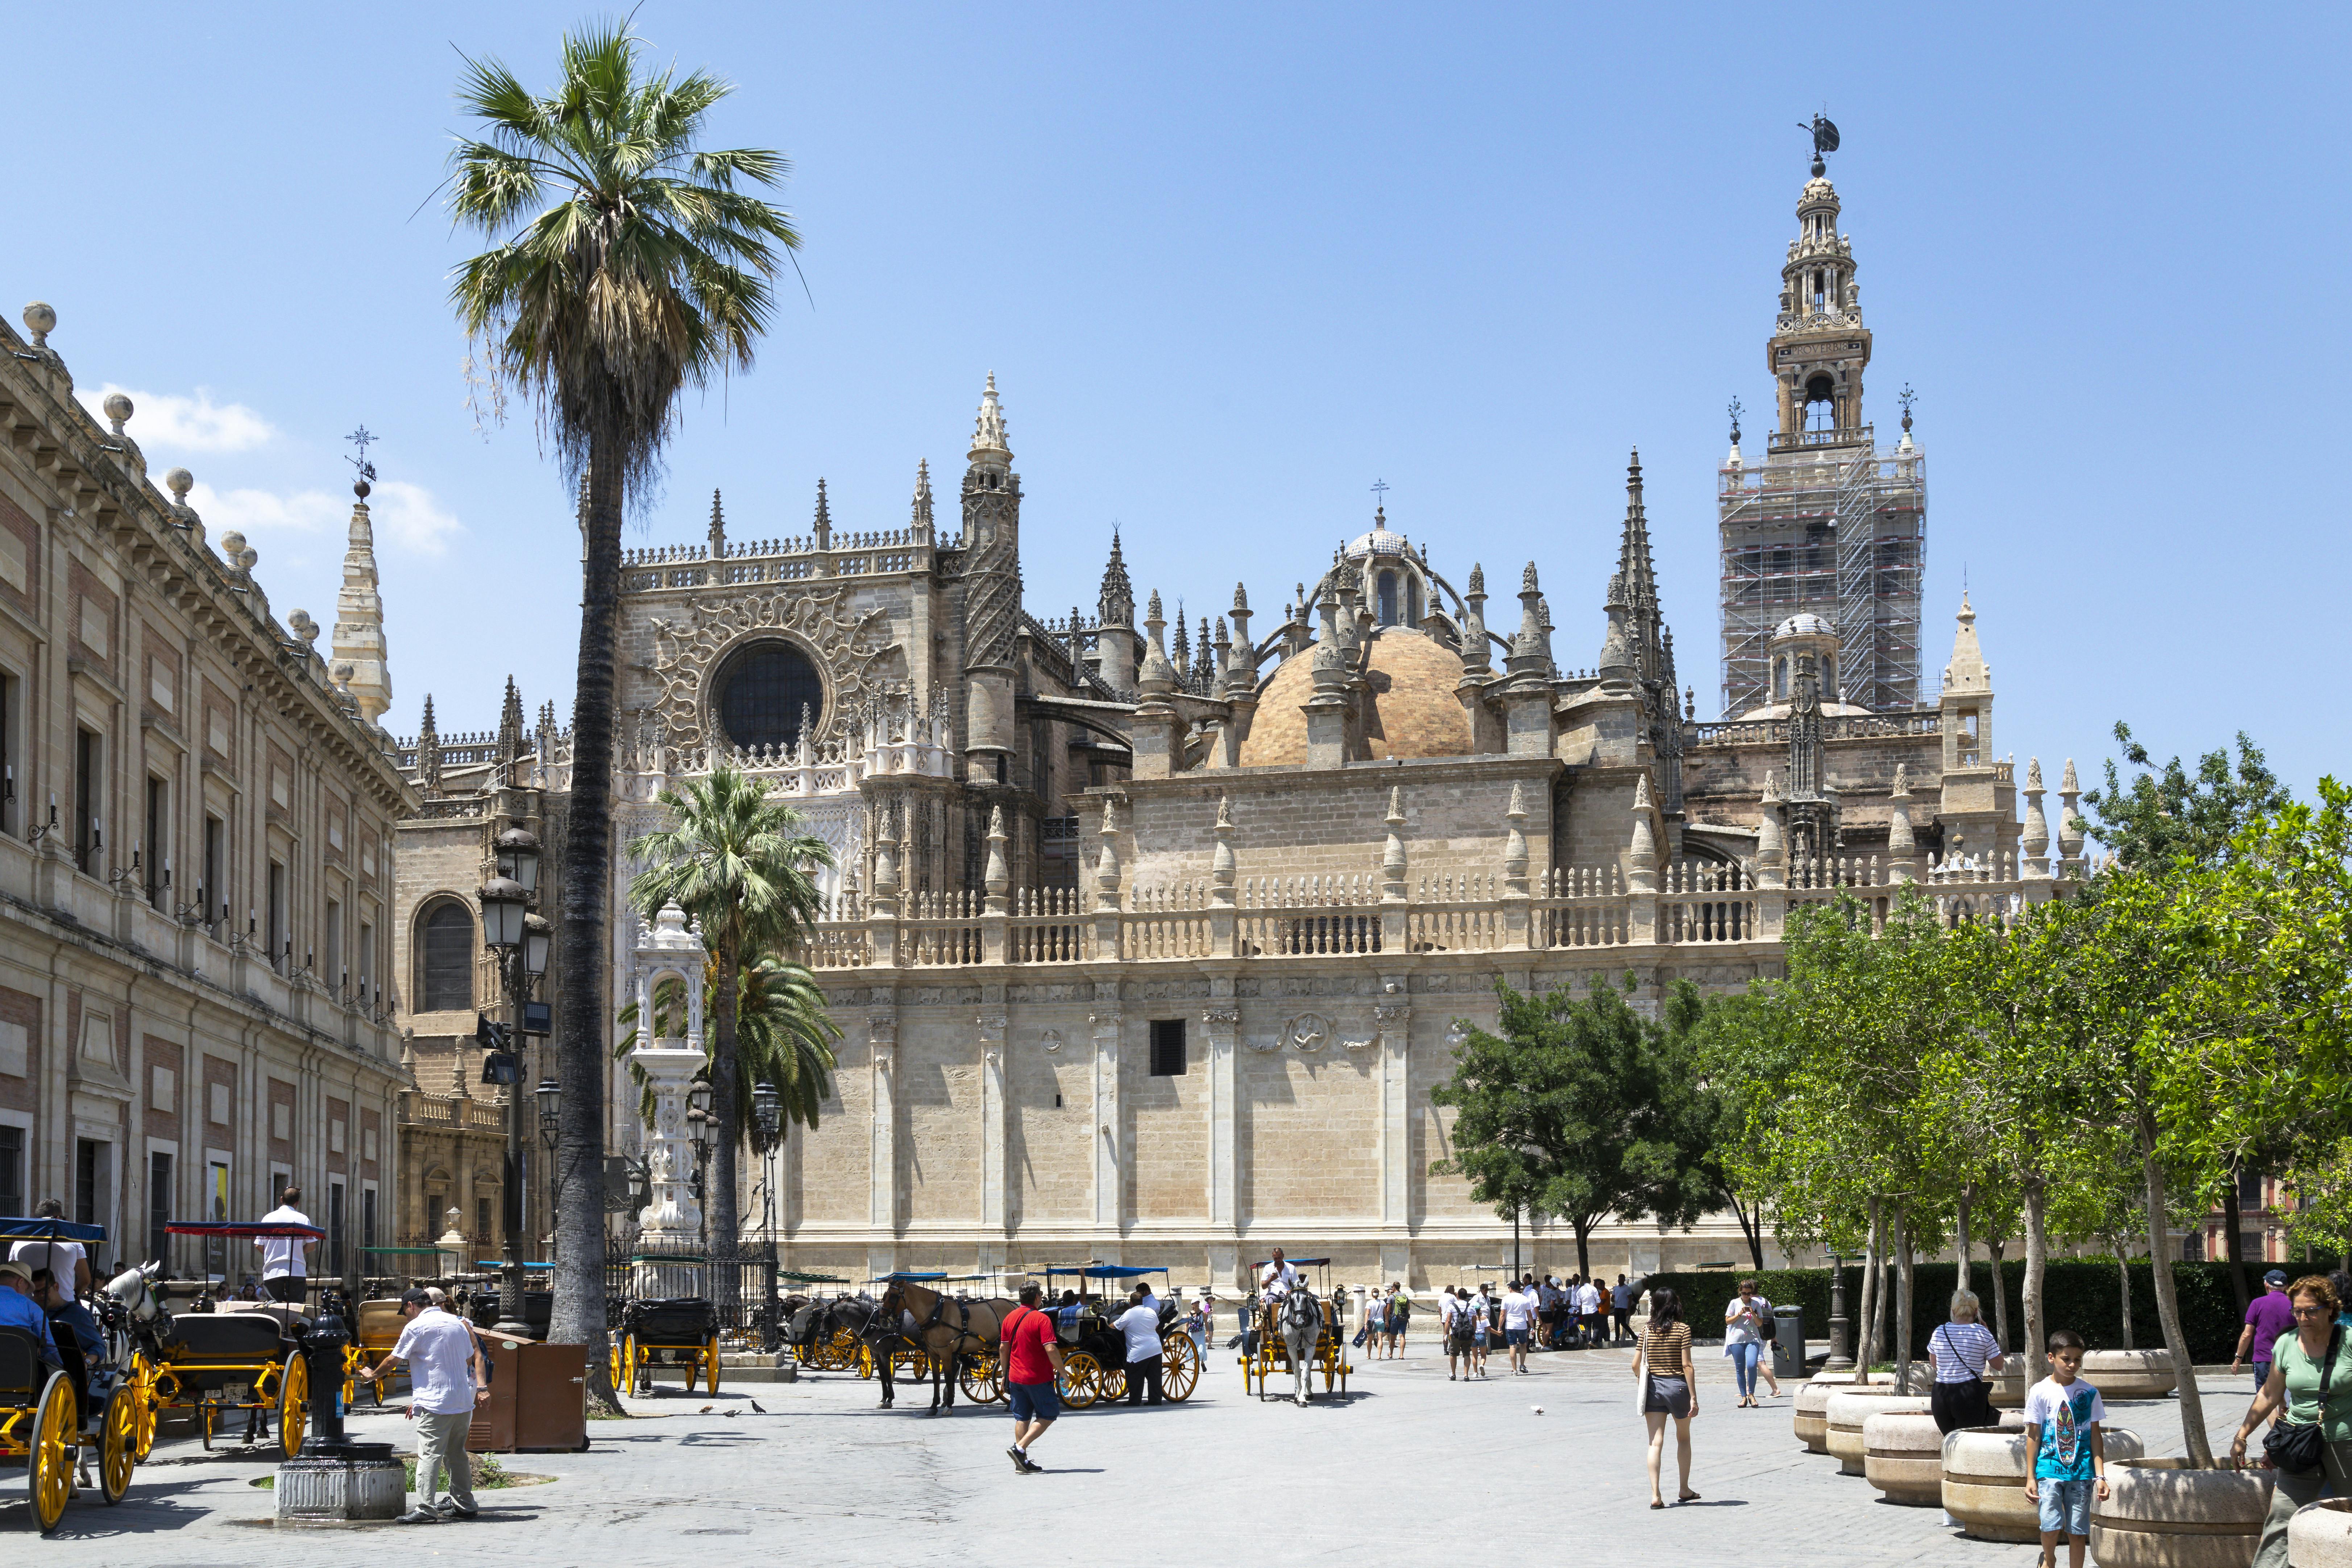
x=2311, y=1311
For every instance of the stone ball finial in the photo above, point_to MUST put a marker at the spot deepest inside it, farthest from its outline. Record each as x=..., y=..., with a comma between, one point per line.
x=179, y=481
x=118, y=410
x=232, y=545
x=301, y=624
x=42, y=320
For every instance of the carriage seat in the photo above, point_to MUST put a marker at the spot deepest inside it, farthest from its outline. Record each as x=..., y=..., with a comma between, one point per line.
x=379, y=1322
x=25, y=1365
x=228, y=1336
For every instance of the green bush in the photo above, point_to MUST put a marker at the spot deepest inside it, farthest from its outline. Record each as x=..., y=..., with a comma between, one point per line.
x=2080, y=1294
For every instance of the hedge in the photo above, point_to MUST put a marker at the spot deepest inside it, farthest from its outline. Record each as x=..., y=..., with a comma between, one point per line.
x=2077, y=1293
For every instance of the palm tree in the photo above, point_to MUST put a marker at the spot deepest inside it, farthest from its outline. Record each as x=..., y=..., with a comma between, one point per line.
x=736, y=861
x=626, y=264
x=784, y=1036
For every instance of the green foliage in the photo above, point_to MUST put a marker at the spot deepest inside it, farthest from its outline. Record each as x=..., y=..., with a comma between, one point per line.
x=2166, y=815
x=784, y=1038
x=1561, y=1113
x=629, y=262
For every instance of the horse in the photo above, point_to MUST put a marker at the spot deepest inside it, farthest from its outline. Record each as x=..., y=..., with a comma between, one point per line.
x=946, y=1329
x=1302, y=1333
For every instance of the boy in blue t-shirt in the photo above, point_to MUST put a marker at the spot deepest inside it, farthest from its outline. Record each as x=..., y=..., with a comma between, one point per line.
x=2065, y=1456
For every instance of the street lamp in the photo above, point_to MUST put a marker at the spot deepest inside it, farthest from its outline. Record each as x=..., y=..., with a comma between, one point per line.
x=550, y=1107
x=767, y=1112
x=699, y=1127
x=522, y=954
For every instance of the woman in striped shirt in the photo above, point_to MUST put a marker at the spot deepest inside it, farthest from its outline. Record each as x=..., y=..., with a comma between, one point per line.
x=1664, y=1374
x=1963, y=1349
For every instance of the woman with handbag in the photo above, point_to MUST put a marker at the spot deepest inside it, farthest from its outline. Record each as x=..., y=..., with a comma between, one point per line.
x=1668, y=1384
x=2309, y=1451
x=1962, y=1350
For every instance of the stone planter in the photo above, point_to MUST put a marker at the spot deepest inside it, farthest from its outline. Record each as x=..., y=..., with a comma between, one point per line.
x=2128, y=1374
x=2320, y=1536
x=1849, y=1409
x=1984, y=1478
x=1813, y=1403
x=1903, y=1456
x=2160, y=1513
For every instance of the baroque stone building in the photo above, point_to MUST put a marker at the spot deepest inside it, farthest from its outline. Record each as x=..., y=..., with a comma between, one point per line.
x=1148, y=944
x=196, y=810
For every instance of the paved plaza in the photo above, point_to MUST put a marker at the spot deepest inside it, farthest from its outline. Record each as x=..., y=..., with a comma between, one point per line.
x=1406, y=1467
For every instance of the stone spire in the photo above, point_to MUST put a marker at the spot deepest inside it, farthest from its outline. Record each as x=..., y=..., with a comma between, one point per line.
x=822, y=526
x=429, y=752
x=511, y=724
x=1637, y=584
x=359, y=617
x=1967, y=672
x=988, y=430
x=718, y=529
x=1902, y=845
x=1183, y=654
x=1476, y=659
x=1116, y=603
x=1642, y=853
x=921, y=520
x=2035, y=839
x=1531, y=649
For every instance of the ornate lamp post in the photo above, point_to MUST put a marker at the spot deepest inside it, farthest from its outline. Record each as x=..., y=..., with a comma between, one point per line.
x=551, y=1109
x=521, y=953
x=768, y=1118
x=699, y=1130
x=1841, y=1358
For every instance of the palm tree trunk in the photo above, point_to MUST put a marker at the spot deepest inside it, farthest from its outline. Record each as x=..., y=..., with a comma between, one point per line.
x=726, y=1220
x=585, y=889
x=2037, y=1255
x=2168, y=1304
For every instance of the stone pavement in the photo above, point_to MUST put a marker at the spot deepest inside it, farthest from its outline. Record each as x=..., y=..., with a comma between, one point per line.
x=1405, y=1465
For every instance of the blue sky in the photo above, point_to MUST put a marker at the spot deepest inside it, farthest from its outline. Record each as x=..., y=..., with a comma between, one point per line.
x=1231, y=266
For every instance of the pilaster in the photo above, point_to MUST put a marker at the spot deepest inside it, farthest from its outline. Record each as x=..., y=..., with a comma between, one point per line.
x=995, y=1177
x=1108, y=1196
x=882, y=1202
x=1393, y=1013
x=1221, y=1021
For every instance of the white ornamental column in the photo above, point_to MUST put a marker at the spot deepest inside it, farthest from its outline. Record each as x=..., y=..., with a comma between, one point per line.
x=882, y=1211
x=1105, y=1126
x=672, y=1221
x=995, y=1176
x=1221, y=1020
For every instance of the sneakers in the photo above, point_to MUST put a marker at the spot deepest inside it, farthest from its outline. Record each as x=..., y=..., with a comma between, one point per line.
x=1019, y=1461
x=453, y=1509
x=419, y=1515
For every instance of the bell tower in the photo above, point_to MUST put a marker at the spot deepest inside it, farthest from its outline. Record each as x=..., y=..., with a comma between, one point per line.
x=992, y=606
x=1828, y=523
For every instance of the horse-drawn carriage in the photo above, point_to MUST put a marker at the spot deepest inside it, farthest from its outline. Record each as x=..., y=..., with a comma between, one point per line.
x=233, y=1356
x=1094, y=1360
x=47, y=1416
x=682, y=1331
x=1301, y=1335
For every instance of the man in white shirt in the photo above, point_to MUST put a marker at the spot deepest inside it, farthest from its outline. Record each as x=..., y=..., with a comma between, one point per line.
x=1277, y=1280
x=445, y=1384
x=1140, y=1324
x=66, y=1261
x=285, y=1266
x=1518, y=1315
x=1588, y=1308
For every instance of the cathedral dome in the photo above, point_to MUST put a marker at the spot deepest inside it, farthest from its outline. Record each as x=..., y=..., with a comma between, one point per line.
x=1415, y=711
x=1807, y=625
x=1379, y=541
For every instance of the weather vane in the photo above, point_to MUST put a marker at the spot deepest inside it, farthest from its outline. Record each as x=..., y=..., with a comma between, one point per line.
x=1906, y=398
x=1825, y=139
x=1735, y=412
x=360, y=438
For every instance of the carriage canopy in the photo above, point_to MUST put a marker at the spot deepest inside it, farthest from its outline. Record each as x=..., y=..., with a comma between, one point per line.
x=247, y=1229
x=50, y=1230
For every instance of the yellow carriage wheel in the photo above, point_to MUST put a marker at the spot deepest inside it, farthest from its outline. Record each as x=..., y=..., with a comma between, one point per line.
x=147, y=1394
x=118, y=1444
x=1180, y=1366
x=982, y=1380
x=50, y=1455
x=1112, y=1383
x=848, y=1354
x=632, y=1359
x=294, y=1406
x=712, y=1352
x=1081, y=1381
x=913, y=1365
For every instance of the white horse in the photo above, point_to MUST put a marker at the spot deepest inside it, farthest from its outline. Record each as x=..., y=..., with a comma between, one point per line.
x=1302, y=1333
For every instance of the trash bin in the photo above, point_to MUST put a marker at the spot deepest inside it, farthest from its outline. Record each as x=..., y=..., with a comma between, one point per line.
x=1788, y=1341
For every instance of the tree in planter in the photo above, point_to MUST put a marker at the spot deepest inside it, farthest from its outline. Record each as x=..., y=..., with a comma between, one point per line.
x=736, y=861
x=1559, y=1112
x=628, y=263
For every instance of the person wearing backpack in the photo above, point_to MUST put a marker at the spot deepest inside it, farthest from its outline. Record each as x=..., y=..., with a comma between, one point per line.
x=2309, y=1451
x=1400, y=1313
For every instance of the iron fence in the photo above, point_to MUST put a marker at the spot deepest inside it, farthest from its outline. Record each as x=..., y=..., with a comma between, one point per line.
x=740, y=1282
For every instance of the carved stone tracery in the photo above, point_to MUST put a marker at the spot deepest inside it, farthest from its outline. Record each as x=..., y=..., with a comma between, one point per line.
x=851, y=648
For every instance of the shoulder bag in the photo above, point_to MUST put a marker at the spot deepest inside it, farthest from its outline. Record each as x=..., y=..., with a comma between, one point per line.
x=2297, y=1448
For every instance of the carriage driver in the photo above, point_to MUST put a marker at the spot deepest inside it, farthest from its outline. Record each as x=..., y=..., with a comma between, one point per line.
x=1275, y=1286
x=1278, y=1280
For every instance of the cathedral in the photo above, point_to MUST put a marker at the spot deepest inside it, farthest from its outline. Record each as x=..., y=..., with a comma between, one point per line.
x=1149, y=942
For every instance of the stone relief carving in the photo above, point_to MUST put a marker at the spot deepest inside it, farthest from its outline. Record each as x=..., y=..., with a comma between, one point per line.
x=1220, y=1017
x=1051, y=1039
x=1266, y=1043
x=1366, y=1044
x=1310, y=1032
x=1391, y=1012
x=860, y=661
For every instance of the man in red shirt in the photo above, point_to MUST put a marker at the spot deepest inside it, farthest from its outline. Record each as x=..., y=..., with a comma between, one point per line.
x=1033, y=1360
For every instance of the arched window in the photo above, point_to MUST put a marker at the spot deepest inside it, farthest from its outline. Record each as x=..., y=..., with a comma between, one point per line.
x=1821, y=404
x=444, y=968
x=1388, y=598
x=1412, y=601
x=764, y=693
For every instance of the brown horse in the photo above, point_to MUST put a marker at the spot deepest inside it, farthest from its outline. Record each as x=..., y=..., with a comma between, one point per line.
x=948, y=1329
